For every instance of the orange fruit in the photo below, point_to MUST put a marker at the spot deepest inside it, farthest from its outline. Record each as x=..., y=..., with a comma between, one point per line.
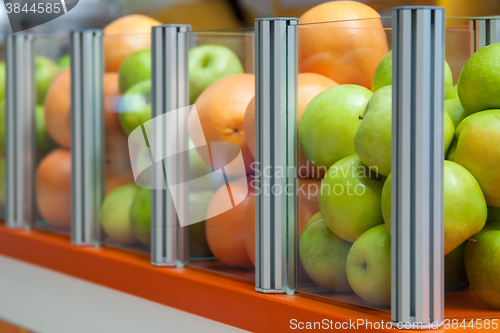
x=347, y=52
x=307, y=198
x=53, y=188
x=221, y=109
x=58, y=110
x=124, y=36
x=249, y=126
x=225, y=231
x=309, y=85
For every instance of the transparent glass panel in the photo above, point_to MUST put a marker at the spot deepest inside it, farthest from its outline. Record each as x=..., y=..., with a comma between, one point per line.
x=344, y=251
x=222, y=207
x=2, y=131
x=52, y=126
x=472, y=269
x=125, y=218
x=338, y=197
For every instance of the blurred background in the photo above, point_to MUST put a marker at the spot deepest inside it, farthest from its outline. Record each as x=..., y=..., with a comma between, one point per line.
x=226, y=14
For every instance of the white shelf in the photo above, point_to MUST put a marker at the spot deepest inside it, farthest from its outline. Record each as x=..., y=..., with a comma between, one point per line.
x=44, y=301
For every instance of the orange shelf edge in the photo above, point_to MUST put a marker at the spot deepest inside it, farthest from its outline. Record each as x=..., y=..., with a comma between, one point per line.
x=198, y=292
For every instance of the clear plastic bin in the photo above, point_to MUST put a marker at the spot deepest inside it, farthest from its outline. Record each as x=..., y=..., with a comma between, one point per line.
x=221, y=193
x=125, y=215
x=341, y=65
x=52, y=126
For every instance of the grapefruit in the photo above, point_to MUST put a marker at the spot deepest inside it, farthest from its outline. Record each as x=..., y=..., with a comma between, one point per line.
x=124, y=36
x=221, y=109
x=58, y=110
x=53, y=188
x=309, y=85
x=347, y=51
x=225, y=236
x=307, y=198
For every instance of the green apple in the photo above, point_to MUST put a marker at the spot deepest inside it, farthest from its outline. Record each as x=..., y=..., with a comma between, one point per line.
x=209, y=63
x=482, y=264
x=383, y=73
x=198, y=246
x=43, y=141
x=350, y=198
x=324, y=255
x=369, y=266
x=455, y=110
x=140, y=216
x=197, y=167
x=64, y=62
x=476, y=148
x=136, y=68
x=455, y=278
x=479, y=81
x=372, y=141
x=115, y=214
x=465, y=209
x=329, y=122
x=45, y=71
x=135, y=106
x=383, y=76
x=143, y=162
x=2, y=80
x=453, y=92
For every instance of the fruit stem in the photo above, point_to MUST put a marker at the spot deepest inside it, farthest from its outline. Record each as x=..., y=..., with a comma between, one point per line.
x=472, y=240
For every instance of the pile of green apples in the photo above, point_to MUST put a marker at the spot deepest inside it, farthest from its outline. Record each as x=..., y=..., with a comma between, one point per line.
x=45, y=72
x=346, y=247
x=131, y=224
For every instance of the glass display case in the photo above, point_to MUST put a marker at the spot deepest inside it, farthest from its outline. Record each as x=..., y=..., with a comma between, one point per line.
x=338, y=197
x=344, y=166
x=52, y=133
x=221, y=230
x=125, y=212
x=2, y=133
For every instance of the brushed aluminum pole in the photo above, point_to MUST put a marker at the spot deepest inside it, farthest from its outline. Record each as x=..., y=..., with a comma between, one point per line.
x=276, y=154
x=486, y=31
x=418, y=45
x=170, y=92
x=87, y=134
x=20, y=146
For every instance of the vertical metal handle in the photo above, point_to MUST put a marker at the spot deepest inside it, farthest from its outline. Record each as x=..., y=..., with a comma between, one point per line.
x=486, y=31
x=20, y=151
x=276, y=150
x=87, y=134
x=170, y=91
x=417, y=165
